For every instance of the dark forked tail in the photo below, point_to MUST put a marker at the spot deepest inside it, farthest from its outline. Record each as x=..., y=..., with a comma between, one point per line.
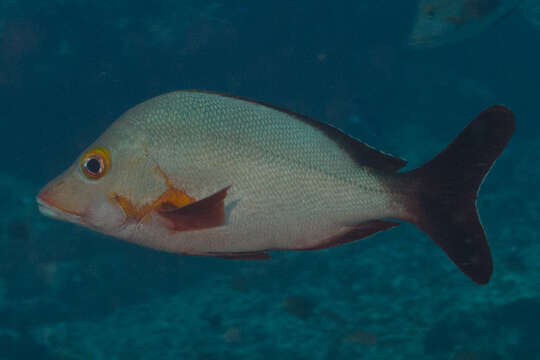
x=445, y=208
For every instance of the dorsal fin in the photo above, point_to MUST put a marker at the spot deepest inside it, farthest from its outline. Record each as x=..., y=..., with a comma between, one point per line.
x=363, y=154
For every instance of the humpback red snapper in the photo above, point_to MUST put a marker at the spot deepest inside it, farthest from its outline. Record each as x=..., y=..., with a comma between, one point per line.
x=202, y=173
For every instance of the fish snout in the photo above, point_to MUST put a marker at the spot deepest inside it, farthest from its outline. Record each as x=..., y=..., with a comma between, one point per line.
x=53, y=201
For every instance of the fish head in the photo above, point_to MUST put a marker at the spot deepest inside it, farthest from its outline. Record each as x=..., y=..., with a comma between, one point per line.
x=79, y=194
x=105, y=185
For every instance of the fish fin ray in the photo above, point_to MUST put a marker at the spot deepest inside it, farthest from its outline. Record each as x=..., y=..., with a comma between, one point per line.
x=362, y=154
x=353, y=233
x=203, y=214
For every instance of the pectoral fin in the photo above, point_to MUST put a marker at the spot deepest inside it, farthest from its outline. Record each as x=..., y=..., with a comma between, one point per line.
x=203, y=214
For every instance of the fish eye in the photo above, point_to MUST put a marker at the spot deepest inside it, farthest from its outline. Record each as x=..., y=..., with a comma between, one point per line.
x=95, y=163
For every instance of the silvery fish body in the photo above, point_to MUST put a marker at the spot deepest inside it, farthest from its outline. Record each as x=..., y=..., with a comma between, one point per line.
x=208, y=174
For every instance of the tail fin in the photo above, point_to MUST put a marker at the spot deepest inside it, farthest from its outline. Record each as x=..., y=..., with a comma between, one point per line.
x=446, y=206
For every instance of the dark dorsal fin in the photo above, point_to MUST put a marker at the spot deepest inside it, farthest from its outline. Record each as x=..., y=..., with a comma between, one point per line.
x=363, y=155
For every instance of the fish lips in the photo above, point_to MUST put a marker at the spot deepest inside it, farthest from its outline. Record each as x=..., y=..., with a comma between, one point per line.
x=48, y=208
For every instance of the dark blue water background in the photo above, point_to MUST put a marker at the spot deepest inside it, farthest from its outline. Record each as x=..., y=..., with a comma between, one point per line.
x=69, y=68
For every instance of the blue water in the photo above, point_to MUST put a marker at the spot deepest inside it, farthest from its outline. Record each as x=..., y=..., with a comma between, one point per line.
x=69, y=68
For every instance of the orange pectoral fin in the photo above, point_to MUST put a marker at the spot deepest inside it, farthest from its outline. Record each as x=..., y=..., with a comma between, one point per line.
x=203, y=214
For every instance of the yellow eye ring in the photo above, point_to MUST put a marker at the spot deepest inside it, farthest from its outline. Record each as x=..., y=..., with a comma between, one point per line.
x=96, y=163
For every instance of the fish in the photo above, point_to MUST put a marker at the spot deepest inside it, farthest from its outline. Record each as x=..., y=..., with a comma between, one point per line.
x=207, y=174
x=530, y=10
x=440, y=22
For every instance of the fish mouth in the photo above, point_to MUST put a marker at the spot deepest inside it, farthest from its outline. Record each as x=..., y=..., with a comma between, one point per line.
x=56, y=212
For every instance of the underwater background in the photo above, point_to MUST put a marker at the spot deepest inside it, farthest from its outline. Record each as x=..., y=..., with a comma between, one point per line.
x=69, y=68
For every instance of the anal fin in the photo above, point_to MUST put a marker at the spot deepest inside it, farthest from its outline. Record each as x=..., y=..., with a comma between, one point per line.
x=353, y=233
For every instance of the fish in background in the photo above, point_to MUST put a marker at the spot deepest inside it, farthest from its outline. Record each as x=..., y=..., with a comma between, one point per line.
x=208, y=174
x=440, y=22
x=530, y=10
